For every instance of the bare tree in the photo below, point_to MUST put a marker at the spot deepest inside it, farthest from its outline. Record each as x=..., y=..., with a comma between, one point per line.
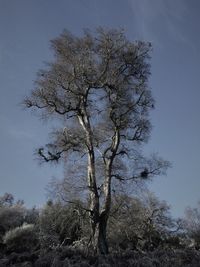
x=98, y=86
x=142, y=222
x=191, y=224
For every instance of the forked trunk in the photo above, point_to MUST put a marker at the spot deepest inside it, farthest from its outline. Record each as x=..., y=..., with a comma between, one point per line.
x=98, y=219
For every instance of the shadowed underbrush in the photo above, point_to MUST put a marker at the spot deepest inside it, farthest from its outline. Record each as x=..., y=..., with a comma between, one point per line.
x=67, y=256
x=58, y=235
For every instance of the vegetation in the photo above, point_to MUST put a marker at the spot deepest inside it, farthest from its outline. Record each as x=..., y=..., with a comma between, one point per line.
x=21, y=238
x=141, y=232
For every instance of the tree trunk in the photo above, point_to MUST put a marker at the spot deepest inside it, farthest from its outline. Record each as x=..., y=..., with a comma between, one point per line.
x=98, y=219
x=99, y=236
x=100, y=230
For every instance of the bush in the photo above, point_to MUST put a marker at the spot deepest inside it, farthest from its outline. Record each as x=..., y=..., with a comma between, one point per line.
x=139, y=223
x=10, y=217
x=31, y=216
x=22, y=238
x=59, y=224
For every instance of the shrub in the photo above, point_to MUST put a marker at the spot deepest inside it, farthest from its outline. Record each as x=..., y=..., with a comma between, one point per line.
x=31, y=216
x=59, y=224
x=10, y=217
x=22, y=238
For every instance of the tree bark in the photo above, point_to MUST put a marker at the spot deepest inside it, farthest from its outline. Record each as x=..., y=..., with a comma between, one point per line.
x=98, y=225
x=98, y=218
x=99, y=236
x=100, y=230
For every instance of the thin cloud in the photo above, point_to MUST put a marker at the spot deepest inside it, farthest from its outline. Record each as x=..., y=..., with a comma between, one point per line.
x=20, y=134
x=156, y=19
x=13, y=130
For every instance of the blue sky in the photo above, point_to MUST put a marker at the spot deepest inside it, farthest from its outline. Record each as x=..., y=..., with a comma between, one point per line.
x=26, y=26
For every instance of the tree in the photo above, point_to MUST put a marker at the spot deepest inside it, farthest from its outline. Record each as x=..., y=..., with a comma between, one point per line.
x=141, y=222
x=6, y=200
x=98, y=86
x=158, y=224
x=191, y=223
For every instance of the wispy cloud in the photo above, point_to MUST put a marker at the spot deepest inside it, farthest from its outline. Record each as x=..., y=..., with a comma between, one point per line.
x=13, y=130
x=20, y=134
x=157, y=20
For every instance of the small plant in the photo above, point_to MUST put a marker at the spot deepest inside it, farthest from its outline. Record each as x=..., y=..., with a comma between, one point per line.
x=22, y=238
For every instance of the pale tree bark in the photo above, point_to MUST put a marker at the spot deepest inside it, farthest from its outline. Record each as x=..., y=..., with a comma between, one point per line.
x=99, y=218
x=96, y=233
x=105, y=211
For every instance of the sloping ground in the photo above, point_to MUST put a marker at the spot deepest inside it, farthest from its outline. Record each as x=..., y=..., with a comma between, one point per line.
x=73, y=258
